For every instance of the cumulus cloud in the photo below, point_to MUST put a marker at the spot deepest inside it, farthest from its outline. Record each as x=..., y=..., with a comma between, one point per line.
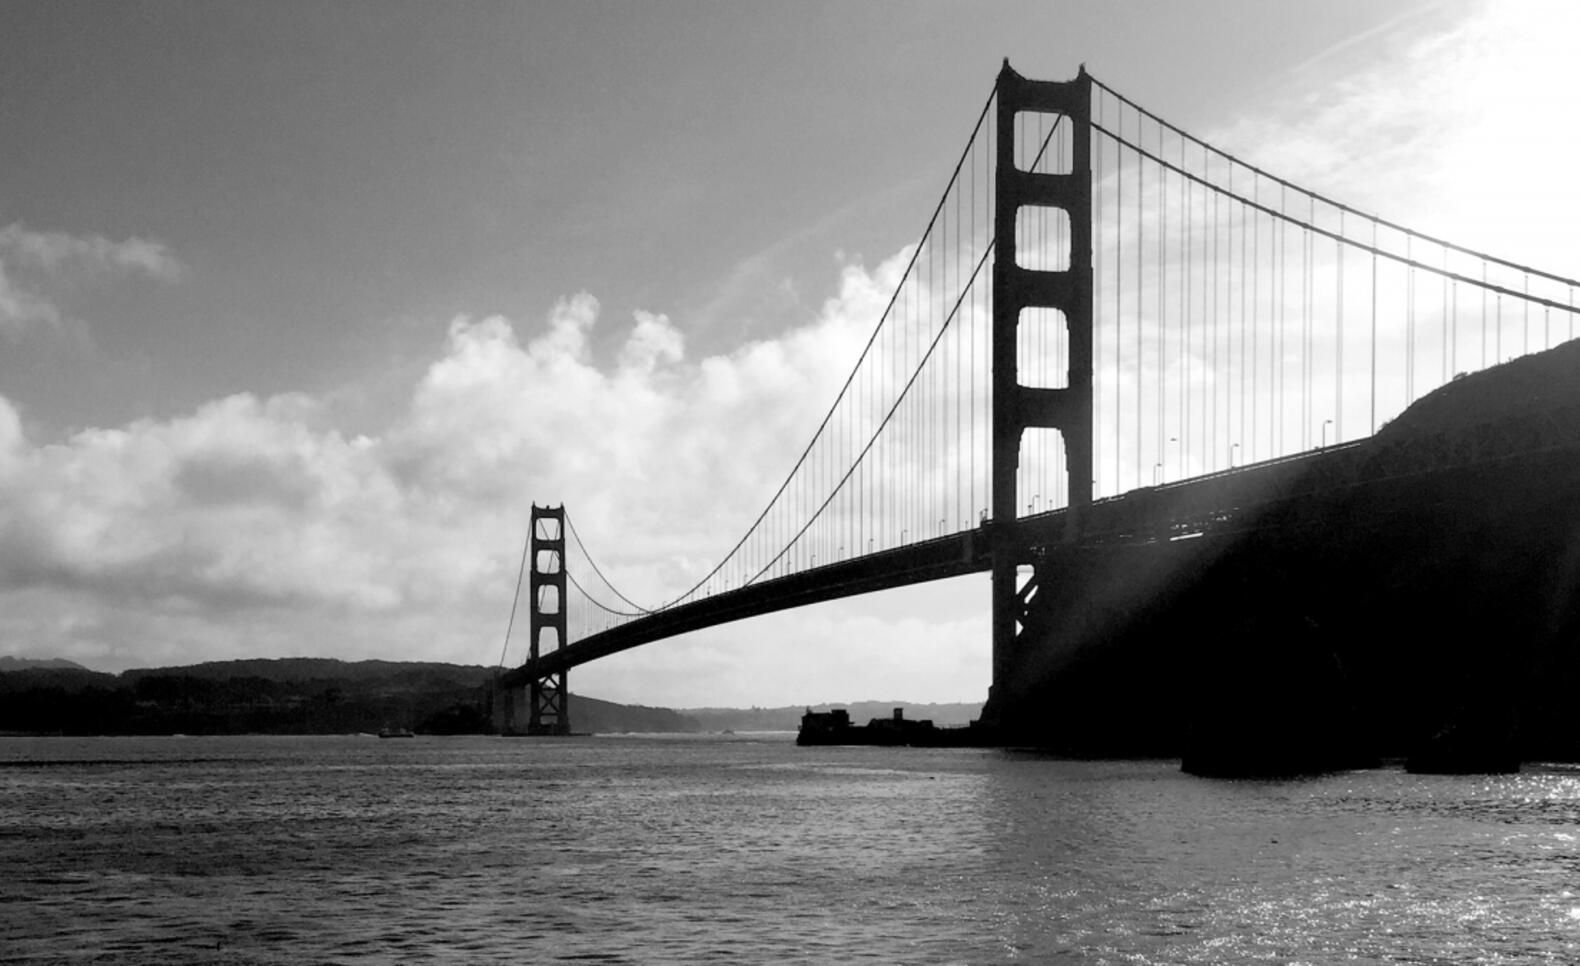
x=30, y=261
x=257, y=525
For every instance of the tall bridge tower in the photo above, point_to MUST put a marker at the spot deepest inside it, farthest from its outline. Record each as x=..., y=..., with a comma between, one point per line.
x=1016, y=407
x=549, y=711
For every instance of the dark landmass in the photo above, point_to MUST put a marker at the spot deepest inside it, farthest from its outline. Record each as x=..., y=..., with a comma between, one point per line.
x=1426, y=609
x=8, y=663
x=592, y=716
x=789, y=718
x=284, y=696
x=327, y=696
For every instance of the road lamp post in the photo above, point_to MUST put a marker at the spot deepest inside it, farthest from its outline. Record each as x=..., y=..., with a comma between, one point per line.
x=1325, y=424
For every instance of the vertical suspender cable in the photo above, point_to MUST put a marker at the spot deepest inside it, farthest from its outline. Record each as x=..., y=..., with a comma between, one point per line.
x=1097, y=301
x=1256, y=273
x=1163, y=321
x=1140, y=294
x=1119, y=311
x=1338, y=364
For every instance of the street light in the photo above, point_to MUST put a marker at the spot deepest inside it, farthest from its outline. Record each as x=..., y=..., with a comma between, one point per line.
x=1157, y=473
x=1325, y=424
x=1232, y=448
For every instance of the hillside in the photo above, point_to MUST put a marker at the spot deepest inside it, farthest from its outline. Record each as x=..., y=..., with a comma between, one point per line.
x=8, y=663
x=409, y=673
x=283, y=696
x=328, y=696
x=1430, y=607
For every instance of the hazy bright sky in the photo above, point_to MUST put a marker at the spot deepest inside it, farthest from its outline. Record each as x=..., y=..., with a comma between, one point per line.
x=303, y=304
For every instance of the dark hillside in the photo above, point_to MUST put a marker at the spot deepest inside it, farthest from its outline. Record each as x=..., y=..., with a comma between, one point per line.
x=285, y=696
x=1429, y=607
x=9, y=663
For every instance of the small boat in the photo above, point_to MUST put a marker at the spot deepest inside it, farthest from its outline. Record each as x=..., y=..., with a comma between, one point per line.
x=388, y=732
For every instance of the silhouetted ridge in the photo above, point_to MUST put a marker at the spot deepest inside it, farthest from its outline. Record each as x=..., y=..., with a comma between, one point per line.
x=281, y=696
x=1531, y=386
x=1421, y=600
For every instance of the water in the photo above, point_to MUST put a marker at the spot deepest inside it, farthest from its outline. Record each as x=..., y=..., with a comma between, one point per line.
x=750, y=850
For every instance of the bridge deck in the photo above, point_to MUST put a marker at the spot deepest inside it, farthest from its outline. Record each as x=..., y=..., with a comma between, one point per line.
x=1197, y=505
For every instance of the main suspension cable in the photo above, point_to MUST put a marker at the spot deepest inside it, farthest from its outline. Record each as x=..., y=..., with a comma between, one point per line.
x=1342, y=239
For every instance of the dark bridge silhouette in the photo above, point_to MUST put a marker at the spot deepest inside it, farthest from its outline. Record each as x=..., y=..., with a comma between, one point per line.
x=1110, y=333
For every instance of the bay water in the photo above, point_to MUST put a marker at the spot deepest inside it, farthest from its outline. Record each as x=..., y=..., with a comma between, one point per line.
x=748, y=849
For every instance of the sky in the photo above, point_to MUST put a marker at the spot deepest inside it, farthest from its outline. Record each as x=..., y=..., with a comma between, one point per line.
x=303, y=305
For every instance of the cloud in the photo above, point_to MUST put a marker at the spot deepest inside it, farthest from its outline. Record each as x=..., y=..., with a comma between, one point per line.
x=259, y=526
x=56, y=251
x=45, y=258
x=21, y=310
x=1453, y=128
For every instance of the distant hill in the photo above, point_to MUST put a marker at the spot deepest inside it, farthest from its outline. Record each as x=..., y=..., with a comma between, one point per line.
x=70, y=679
x=310, y=695
x=605, y=717
x=324, y=668
x=307, y=696
x=8, y=663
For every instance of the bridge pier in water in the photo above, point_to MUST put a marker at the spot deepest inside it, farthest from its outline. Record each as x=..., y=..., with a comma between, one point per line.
x=539, y=704
x=1016, y=407
x=548, y=711
x=509, y=707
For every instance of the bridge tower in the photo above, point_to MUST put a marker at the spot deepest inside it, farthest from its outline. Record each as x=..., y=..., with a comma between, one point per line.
x=549, y=712
x=1017, y=408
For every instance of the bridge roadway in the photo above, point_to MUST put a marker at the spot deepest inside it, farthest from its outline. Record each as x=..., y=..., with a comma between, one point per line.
x=1201, y=505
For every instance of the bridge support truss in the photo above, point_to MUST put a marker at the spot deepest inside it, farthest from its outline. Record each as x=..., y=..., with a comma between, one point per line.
x=549, y=709
x=1017, y=408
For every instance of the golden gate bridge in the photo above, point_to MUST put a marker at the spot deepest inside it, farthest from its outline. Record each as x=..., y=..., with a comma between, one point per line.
x=1109, y=331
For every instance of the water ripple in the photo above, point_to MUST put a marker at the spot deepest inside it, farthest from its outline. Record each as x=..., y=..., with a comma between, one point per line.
x=343, y=850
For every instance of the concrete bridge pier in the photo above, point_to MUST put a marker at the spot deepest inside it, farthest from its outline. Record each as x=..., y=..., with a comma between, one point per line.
x=512, y=709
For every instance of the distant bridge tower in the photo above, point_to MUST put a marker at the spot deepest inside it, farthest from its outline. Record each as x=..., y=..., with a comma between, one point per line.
x=549, y=712
x=1017, y=408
